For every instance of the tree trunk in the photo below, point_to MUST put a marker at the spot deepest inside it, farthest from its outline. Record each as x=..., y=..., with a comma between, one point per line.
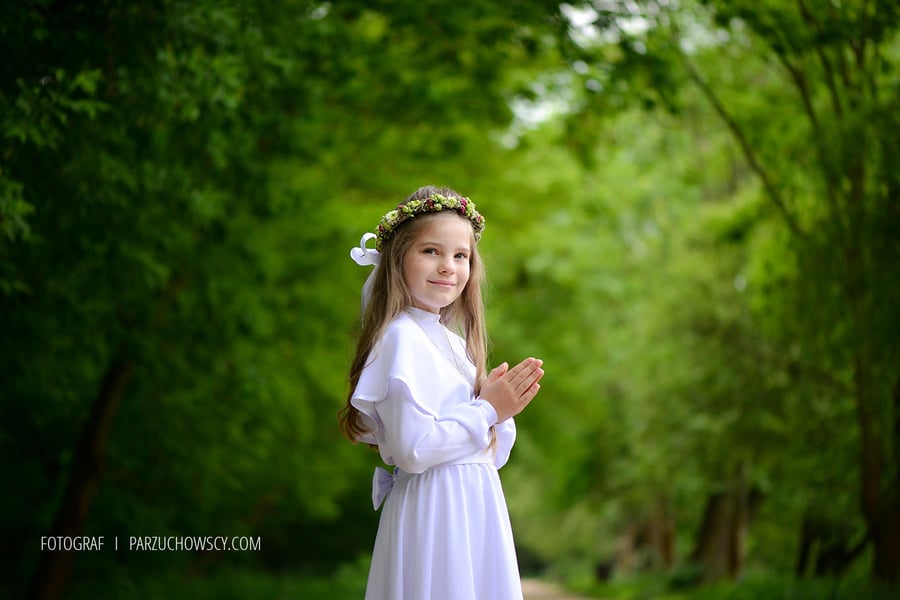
x=661, y=534
x=883, y=511
x=648, y=543
x=54, y=568
x=716, y=549
x=887, y=547
x=726, y=519
x=825, y=548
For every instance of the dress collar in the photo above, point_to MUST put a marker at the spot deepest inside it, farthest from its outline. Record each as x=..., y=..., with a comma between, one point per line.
x=423, y=316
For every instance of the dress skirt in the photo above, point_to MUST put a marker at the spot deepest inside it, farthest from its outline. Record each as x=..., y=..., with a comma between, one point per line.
x=445, y=534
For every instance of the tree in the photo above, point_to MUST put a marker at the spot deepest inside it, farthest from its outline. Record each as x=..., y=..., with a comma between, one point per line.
x=826, y=159
x=178, y=182
x=835, y=61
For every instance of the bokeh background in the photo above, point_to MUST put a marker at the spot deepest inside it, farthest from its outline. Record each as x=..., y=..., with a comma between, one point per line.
x=693, y=217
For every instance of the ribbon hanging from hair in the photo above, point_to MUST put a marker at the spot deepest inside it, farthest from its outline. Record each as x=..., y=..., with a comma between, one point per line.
x=364, y=256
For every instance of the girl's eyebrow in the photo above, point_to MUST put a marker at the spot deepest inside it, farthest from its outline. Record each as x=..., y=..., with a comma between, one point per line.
x=440, y=245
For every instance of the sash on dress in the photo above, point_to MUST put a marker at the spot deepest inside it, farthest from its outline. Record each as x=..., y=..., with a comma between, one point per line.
x=383, y=480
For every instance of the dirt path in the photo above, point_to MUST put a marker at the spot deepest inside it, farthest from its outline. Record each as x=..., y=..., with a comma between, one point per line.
x=535, y=589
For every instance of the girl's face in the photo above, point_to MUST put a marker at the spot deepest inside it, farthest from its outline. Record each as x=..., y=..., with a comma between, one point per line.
x=436, y=266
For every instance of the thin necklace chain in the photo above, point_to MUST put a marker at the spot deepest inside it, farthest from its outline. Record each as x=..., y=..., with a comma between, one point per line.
x=453, y=361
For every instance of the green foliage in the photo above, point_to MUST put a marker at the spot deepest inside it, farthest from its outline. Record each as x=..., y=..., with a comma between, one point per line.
x=719, y=342
x=180, y=183
x=348, y=582
x=791, y=589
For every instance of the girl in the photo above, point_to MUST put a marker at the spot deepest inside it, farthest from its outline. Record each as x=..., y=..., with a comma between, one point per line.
x=419, y=393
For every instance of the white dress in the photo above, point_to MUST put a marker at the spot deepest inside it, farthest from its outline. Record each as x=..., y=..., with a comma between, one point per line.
x=444, y=532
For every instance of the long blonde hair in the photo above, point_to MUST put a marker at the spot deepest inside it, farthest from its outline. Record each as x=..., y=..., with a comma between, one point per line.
x=390, y=296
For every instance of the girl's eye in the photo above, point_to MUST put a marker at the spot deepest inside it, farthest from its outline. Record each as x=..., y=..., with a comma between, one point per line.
x=462, y=255
x=430, y=251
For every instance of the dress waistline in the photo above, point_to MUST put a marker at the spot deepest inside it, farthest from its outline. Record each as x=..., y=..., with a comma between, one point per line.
x=383, y=480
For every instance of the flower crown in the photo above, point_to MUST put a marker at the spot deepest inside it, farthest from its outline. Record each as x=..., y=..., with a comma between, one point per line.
x=432, y=204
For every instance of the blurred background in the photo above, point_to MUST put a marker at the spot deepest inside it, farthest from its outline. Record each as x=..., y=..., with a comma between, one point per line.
x=692, y=216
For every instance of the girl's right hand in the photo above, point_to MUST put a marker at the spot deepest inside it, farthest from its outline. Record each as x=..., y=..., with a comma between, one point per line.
x=510, y=390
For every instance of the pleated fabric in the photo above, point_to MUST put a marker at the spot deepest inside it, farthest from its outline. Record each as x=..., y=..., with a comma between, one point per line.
x=445, y=535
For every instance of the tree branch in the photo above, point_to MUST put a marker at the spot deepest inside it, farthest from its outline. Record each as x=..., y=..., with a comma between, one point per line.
x=896, y=437
x=52, y=574
x=842, y=60
x=828, y=172
x=823, y=58
x=876, y=59
x=749, y=153
x=863, y=36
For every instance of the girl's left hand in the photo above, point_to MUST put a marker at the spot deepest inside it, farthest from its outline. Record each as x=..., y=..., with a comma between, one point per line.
x=510, y=390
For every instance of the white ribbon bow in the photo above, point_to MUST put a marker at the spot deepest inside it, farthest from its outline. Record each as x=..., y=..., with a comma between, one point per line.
x=382, y=482
x=365, y=256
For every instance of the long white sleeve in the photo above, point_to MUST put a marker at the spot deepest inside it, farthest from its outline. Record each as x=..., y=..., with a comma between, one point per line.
x=506, y=437
x=416, y=440
x=419, y=410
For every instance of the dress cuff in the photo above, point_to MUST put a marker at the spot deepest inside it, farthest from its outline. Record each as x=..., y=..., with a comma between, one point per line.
x=487, y=408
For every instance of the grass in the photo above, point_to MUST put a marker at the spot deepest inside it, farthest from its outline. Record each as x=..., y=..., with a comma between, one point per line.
x=760, y=587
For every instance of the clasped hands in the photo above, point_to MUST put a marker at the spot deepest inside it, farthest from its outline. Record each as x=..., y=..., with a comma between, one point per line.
x=510, y=390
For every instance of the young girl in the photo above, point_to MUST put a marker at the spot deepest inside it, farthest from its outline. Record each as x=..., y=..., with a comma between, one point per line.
x=419, y=393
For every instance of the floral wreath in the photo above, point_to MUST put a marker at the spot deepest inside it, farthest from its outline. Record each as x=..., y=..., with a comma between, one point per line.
x=432, y=204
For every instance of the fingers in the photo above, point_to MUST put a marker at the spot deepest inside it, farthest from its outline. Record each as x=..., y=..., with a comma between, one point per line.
x=522, y=369
x=526, y=397
x=497, y=372
x=525, y=374
x=509, y=391
x=530, y=393
x=526, y=386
